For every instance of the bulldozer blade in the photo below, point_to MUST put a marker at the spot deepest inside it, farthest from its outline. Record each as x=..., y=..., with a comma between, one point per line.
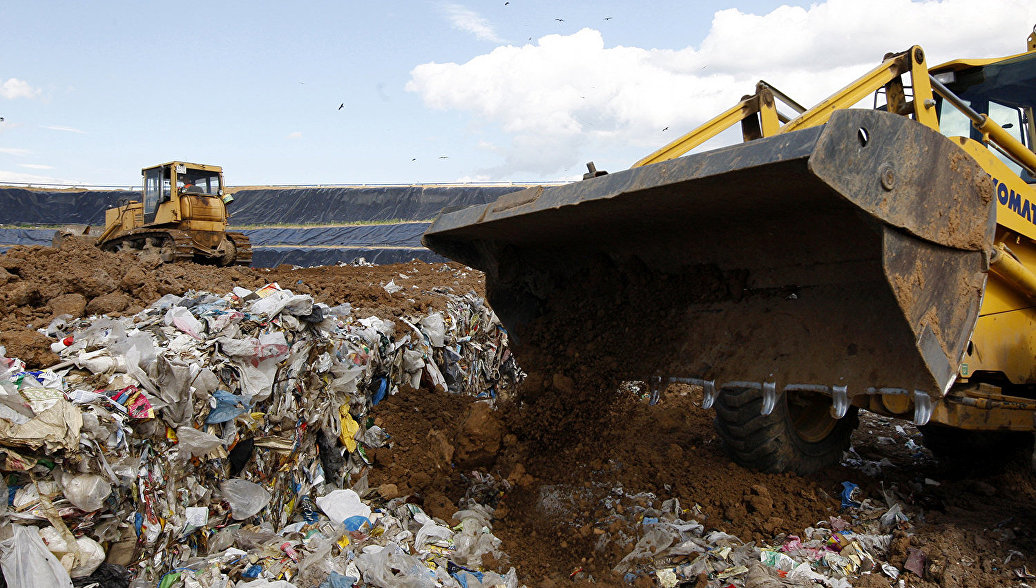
x=852, y=254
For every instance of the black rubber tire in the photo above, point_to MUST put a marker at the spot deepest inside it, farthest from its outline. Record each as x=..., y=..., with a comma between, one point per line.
x=771, y=443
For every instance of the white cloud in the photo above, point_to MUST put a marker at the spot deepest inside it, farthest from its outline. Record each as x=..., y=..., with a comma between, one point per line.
x=35, y=166
x=295, y=135
x=63, y=129
x=469, y=21
x=14, y=88
x=14, y=151
x=569, y=96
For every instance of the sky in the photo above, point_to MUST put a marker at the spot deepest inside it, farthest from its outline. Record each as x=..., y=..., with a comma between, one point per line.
x=407, y=92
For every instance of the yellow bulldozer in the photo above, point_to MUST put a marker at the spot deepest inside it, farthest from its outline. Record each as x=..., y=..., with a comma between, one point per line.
x=840, y=257
x=182, y=216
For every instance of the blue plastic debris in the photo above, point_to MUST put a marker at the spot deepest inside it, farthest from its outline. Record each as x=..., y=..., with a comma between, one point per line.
x=850, y=493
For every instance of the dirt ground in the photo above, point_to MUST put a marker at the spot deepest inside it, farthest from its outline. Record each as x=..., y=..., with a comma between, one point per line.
x=568, y=471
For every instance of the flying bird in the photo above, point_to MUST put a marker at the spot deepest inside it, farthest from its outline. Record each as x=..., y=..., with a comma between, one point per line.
x=560, y=19
x=341, y=106
x=444, y=157
x=665, y=129
x=607, y=18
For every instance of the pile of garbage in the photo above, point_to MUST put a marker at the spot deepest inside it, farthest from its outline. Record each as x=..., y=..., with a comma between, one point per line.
x=673, y=548
x=220, y=441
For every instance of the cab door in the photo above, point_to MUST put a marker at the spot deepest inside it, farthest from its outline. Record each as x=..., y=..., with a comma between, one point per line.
x=152, y=193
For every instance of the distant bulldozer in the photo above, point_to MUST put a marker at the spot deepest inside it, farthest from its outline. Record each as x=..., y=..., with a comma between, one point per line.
x=183, y=217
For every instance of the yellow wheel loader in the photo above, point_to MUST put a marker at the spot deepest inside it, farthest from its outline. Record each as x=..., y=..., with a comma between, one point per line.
x=182, y=217
x=838, y=258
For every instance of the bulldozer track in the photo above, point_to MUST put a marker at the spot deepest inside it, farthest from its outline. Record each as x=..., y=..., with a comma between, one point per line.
x=244, y=249
x=184, y=248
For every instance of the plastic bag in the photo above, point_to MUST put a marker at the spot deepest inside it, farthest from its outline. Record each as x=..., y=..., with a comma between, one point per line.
x=342, y=505
x=650, y=545
x=91, y=556
x=79, y=556
x=86, y=491
x=392, y=567
x=336, y=580
x=107, y=575
x=431, y=533
x=471, y=544
x=315, y=567
x=27, y=562
x=228, y=407
x=245, y=498
x=182, y=319
x=195, y=442
x=434, y=327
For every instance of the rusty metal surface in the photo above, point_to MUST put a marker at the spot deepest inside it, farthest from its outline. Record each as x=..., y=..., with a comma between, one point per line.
x=806, y=258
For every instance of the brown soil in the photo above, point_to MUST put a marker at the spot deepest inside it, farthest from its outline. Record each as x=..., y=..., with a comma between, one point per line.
x=572, y=469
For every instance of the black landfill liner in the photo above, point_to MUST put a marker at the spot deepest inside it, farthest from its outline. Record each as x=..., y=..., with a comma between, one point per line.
x=402, y=234
x=355, y=203
x=20, y=206
x=312, y=257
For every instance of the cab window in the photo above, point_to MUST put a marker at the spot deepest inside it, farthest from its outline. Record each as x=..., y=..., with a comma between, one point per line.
x=1006, y=92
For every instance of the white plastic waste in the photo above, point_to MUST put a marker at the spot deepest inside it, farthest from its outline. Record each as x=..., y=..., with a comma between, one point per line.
x=86, y=491
x=246, y=498
x=27, y=563
x=341, y=505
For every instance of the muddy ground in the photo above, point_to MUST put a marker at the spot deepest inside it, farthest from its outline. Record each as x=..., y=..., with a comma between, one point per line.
x=575, y=480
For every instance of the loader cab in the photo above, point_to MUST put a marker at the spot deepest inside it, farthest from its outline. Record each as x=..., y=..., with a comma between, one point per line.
x=1004, y=90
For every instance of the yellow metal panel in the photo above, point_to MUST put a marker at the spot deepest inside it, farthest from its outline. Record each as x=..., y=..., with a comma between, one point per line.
x=769, y=121
x=1016, y=200
x=924, y=111
x=173, y=164
x=194, y=225
x=961, y=64
x=983, y=419
x=1004, y=342
x=168, y=212
x=196, y=207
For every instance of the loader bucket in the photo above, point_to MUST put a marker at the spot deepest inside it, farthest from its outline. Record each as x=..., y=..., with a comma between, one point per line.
x=851, y=254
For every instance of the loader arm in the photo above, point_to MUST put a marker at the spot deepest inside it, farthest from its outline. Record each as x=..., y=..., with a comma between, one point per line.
x=759, y=117
x=761, y=103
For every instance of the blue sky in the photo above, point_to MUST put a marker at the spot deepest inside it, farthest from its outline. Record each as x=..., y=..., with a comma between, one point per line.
x=431, y=91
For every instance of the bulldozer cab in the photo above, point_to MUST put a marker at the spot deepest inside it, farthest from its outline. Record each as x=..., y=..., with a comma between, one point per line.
x=1003, y=90
x=188, y=178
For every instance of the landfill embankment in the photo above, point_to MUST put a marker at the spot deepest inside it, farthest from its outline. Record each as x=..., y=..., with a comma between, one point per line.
x=368, y=425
